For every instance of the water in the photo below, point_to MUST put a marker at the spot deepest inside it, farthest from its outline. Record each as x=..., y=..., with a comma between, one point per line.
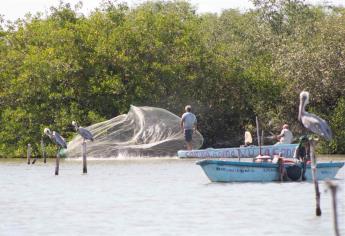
x=155, y=197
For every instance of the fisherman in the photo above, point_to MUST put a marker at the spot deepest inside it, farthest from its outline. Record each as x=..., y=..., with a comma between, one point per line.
x=248, y=140
x=285, y=136
x=302, y=153
x=188, y=125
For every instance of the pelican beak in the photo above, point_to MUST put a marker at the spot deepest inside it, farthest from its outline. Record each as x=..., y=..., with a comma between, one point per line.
x=301, y=105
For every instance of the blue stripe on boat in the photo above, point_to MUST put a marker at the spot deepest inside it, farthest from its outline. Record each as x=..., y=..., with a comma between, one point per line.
x=235, y=171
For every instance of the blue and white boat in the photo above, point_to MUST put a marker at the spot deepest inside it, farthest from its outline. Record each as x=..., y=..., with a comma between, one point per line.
x=235, y=171
x=286, y=150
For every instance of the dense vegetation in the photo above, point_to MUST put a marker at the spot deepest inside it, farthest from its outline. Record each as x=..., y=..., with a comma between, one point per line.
x=230, y=67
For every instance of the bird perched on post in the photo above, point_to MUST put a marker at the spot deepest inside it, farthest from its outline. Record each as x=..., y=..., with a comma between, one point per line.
x=56, y=138
x=82, y=131
x=320, y=127
x=312, y=122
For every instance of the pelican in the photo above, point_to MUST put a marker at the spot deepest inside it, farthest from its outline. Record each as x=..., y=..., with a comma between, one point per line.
x=56, y=138
x=86, y=136
x=82, y=131
x=312, y=122
x=320, y=127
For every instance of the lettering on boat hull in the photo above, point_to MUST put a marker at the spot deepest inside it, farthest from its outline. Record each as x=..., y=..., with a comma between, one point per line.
x=286, y=150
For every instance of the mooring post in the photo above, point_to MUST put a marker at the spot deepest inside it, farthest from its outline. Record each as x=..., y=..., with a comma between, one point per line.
x=28, y=153
x=57, y=163
x=262, y=138
x=333, y=187
x=43, y=151
x=84, y=158
x=314, y=175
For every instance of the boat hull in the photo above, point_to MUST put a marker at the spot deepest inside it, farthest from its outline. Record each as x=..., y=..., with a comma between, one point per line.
x=231, y=171
x=287, y=150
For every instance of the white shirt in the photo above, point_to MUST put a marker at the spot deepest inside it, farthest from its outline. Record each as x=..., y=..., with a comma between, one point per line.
x=188, y=120
x=247, y=138
x=287, y=137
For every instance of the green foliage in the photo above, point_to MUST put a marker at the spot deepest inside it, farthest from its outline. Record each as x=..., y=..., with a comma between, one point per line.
x=338, y=124
x=230, y=67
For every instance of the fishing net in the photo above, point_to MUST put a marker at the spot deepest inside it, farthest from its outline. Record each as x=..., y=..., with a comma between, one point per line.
x=143, y=132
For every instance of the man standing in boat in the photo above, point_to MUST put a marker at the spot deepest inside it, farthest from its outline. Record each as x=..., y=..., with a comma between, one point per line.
x=188, y=125
x=285, y=136
x=302, y=153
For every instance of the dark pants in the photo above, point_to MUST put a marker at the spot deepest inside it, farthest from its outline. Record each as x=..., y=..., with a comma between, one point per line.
x=188, y=134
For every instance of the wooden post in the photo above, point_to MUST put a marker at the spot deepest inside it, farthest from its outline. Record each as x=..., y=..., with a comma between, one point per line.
x=281, y=167
x=43, y=151
x=258, y=134
x=84, y=157
x=28, y=153
x=262, y=138
x=57, y=163
x=314, y=175
x=333, y=187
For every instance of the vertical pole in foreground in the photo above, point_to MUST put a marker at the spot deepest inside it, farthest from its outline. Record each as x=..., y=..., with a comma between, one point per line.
x=43, y=151
x=314, y=175
x=28, y=153
x=262, y=138
x=258, y=134
x=84, y=157
x=333, y=187
x=57, y=163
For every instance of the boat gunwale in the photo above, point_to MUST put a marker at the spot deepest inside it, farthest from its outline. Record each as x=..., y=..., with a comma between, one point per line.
x=263, y=164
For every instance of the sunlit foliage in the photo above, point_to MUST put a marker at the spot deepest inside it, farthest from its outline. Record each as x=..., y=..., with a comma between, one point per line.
x=230, y=67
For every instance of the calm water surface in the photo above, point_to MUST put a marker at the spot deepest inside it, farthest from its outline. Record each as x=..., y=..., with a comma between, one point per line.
x=155, y=197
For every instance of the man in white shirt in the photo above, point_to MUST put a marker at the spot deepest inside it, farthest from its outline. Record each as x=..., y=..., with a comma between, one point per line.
x=188, y=125
x=248, y=140
x=285, y=136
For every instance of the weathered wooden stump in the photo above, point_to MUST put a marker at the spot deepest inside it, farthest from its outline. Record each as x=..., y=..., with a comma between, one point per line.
x=43, y=148
x=314, y=175
x=28, y=154
x=84, y=158
x=333, y=187
x=57, y=163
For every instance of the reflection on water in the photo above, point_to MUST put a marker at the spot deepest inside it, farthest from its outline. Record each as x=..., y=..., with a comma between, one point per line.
x=155, y=197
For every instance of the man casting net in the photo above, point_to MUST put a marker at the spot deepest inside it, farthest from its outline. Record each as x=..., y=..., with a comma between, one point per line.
x=143, y=132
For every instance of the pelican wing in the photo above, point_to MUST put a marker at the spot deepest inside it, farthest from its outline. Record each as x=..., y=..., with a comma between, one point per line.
x=85, y=133
x=317, y=125
x=59, y=140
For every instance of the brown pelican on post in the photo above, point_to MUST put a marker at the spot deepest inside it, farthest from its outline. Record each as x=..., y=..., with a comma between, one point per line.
x=318, y=126
x=87, y=135
x=60, y=142
x=312, y=122
x=56, y=138
x=82, y=131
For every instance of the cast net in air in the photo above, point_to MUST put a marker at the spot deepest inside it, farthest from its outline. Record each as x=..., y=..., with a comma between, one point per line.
x=143, y=132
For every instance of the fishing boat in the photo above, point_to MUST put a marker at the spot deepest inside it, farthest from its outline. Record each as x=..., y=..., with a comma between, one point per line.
x=286, y=150
x=235, y=171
